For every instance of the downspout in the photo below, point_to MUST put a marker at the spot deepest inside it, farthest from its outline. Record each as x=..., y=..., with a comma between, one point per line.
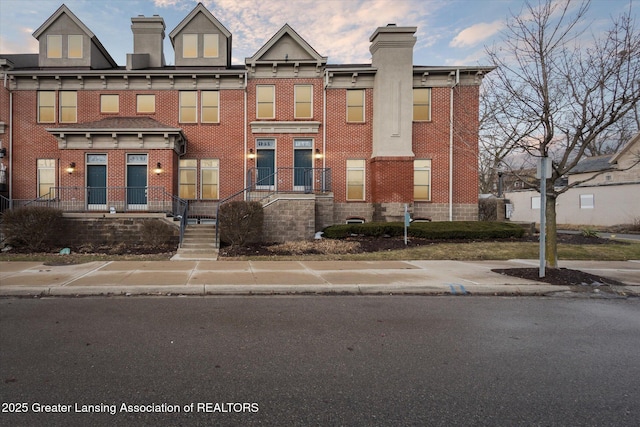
x=324, y=124
x=10, y=171
x=244, y=133
x=455, y=83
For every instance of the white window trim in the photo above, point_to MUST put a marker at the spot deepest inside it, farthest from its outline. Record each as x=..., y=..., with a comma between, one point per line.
x=364, y=106
x=102, y=111
x=61, y=106
x=181, y=119
x=217, y=119
x=39, y=106
x=364, y=180
x=81, y=46
x=217, y=42
x=185, y=44
x=273, y=91
x=138, y=103
x=51, y=37
x=202, y=169
x=428, y=199
x=295, y=101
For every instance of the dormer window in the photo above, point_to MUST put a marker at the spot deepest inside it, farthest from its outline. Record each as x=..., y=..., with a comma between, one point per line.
x=75, y=47
x=210, y=45
x=190, y=46
x=54, y=46
x=191, y=49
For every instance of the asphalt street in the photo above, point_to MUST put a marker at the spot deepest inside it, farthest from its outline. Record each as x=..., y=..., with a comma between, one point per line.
x=303, y=360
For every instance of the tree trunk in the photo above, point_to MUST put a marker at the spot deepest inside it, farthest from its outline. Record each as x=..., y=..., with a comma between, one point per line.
x=551, y=242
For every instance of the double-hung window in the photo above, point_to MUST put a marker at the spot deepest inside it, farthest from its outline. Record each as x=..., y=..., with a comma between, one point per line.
x=210, y=101
x=422, y=180
x=68, y=107
x=188, y=107
x=46, y=107
x=355, y=179
x=355, y=106
x=265, y=102
x=303, y=98
x=422, y=104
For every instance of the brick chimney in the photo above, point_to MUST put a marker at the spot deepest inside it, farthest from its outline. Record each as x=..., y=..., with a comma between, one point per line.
x=148, y=39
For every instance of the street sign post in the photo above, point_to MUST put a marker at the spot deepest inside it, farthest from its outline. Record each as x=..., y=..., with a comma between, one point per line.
x=543, y=173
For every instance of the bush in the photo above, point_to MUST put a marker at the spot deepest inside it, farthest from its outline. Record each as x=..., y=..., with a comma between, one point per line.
x=240, y=222
x=488, y=209
x=429, y=230
x=34, y=227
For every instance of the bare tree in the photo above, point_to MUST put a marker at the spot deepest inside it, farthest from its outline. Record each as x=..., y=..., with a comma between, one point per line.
x=560, y=92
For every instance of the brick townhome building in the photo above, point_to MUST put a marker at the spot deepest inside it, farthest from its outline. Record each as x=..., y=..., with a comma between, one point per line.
x=327, y=143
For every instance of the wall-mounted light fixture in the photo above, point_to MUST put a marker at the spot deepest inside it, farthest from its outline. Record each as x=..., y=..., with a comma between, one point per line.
x=71, y=168
x=3, y=152
x=158, y=169
x=251, y=154
x=318, y=154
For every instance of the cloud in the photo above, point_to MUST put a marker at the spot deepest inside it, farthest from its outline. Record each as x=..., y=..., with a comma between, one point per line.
x=337, y=29
x=477, y=33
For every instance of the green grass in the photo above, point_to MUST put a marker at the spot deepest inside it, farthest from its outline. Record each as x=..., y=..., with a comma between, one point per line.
x=441, y=251
x=475, y=251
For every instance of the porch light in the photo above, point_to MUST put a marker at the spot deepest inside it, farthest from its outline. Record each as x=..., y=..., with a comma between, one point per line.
x=71, y=168
x=251, y=154
x=318, y=154
x=158, y=169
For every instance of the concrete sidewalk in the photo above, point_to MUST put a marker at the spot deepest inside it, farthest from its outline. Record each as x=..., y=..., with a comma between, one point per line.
x=292, y=277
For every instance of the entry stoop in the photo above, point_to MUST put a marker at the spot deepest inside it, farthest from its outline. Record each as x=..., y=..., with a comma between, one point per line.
x=198, y=244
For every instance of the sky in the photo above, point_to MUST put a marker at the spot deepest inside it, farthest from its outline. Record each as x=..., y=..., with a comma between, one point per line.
x=450, y=32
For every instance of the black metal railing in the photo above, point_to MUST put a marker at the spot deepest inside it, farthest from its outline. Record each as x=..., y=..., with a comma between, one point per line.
x=109, y=199
x=262, y=183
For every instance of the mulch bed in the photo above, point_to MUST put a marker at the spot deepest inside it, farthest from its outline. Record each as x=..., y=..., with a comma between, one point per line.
x=373, y=244
x=577, y=279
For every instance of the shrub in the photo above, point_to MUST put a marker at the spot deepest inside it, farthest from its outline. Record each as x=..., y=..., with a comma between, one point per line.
x=34, y=227
x=488, y=209
x=156, y=233
x=429, y=230
x=240, y=222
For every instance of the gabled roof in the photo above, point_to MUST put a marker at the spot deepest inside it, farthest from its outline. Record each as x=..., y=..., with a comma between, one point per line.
x=593, y=164
x=285, y=31
x=198, y=9
x=634, y=141
x=63, y=9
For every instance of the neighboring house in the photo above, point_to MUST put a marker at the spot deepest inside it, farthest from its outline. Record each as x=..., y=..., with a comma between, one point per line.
x=606, y=192
x=328, y=143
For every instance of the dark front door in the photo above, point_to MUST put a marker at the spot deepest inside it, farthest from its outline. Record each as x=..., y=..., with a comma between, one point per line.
x=302, y=168
x=97, y=185
x=137, y=186
x=265, y=163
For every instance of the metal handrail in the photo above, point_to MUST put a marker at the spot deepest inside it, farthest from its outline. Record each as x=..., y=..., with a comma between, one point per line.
x=77, y=199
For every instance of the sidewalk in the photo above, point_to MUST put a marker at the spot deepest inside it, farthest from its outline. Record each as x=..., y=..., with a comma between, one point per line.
x=292, y=277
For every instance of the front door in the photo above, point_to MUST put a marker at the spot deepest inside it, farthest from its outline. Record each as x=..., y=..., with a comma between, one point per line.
x=96, y=182
x=265, y=164
x=97, y=187
x=137, y=182
x=302, y=169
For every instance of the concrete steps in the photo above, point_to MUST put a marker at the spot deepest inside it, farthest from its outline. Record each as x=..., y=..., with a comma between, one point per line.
x=199, y=243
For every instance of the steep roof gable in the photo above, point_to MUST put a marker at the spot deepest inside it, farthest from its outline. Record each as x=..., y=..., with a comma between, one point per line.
x=196, y=10
x=62, y=10
x=286, y=45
